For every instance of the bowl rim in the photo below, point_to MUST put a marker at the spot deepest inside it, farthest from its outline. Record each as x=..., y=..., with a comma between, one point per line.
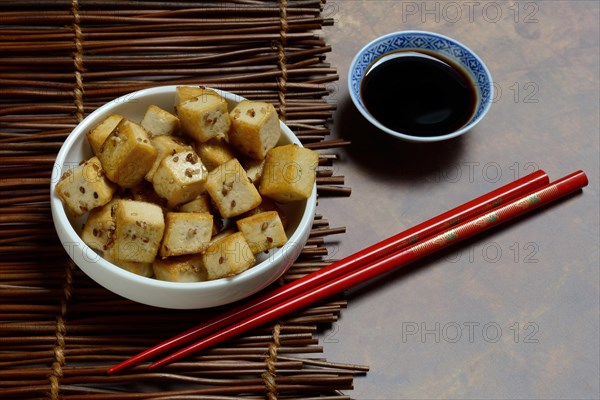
x=358, y=103
x=59, y=214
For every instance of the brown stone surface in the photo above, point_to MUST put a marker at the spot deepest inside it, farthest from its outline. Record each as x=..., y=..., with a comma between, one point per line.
x=511, y=314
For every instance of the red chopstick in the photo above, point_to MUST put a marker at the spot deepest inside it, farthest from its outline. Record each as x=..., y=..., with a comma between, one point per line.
x=462, y=231
x=468, y=210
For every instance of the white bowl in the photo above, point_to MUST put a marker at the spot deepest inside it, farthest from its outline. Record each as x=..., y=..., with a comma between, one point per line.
x=434, y=43
x=152, y=291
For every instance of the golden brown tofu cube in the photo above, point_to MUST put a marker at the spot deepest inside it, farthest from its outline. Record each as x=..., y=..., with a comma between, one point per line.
x=139, y=228
x=159, y=122
x=186, y=233
x=185, y=93
x=268, y=205
x=165, y=145
x=180, y=269
x=100, y=227
x=254, y=128
x=180, y=178
x=84, y=187
x=263, y=231
x=254, y=170
x=127, y=154
x=145, y=192
x=204, y=117
x=231, y=190
x=98, y=135
x=228, y=256
x=138, y=268
x=222, y=234
x=214, y=152
x=289, y=173
x=201, y=204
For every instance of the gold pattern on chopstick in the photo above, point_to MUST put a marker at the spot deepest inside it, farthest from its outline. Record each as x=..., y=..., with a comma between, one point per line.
x=534, y=199
x=497, y=202
x=492, y=217
x=436, y=242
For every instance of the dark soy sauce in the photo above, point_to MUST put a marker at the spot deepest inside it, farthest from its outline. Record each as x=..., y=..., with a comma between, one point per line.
x=418, y=94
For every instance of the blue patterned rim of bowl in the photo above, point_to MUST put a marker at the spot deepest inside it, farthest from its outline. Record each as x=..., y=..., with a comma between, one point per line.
x=433, y=42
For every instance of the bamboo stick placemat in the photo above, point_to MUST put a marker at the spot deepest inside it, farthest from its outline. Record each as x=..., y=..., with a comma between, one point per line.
x=60, y=331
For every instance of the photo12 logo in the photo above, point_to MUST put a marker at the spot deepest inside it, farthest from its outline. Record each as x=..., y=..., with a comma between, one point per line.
x=488, y=172
x=469, y=332
x=495, y=252
x=470, y=11
x=517, y=92
x=87, y=254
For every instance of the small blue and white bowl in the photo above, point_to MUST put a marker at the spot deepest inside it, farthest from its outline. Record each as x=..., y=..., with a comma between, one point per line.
x=434, y=43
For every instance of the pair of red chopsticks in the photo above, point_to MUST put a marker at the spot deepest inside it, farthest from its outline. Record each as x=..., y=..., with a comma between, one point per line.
x=467, y=220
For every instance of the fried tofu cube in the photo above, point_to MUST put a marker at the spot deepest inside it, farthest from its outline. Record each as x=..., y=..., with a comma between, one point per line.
x=231, y=190
x=221, y=234
x=138, y=268
x=164, y=146
x=289, y=173
x=145, y=192
x=200, y=204
x=268, y=205
x=228, y=256
x=180, y=178
x=159, y=122
x=186, y=233
x=139, y=228
x=204, y=117
x=254, y=128
x=84, y=187
x=254, y=170
x=214, y=152
x=98, y=135
x=127, y=154
x=188, y=268
x=99, y=228
x=185, y=93
x=263, y=231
